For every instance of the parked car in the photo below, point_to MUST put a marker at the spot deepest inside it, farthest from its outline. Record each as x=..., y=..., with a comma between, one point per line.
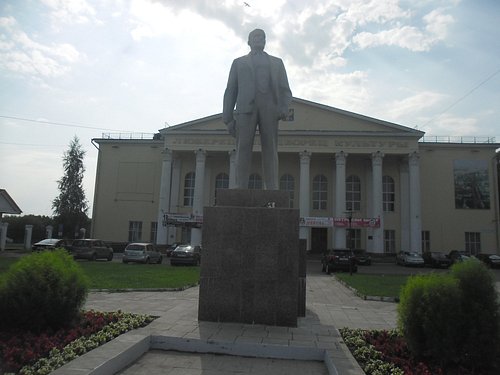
x=186, y=255
x=339, y=260
x=91, y=249
x=408, y=258
x=458, y=256
x=140, y=252
x=436, y=259
x=50, y=244
x=171, y=248
x=362, y=257
x=492, y=260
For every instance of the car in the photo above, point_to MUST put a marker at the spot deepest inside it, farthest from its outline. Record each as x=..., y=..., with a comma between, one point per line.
x=50, y=244
x=141, y=252
x=91, y=249
x=436, y=259
x=339, y=260
x=409, y=258
x=186, y=255
x=458, y=256
x=492, y=260
x=362, y=257
x=171, y=248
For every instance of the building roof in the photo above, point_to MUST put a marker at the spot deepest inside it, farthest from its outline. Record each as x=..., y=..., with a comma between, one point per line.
x=7, y=204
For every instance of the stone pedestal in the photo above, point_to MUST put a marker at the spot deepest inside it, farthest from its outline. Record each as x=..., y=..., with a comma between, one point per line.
x=250, y=259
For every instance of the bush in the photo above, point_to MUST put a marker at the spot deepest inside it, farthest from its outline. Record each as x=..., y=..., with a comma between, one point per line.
x=430, y=316
x=452, y=319
x=480, y=334
x=40, y=291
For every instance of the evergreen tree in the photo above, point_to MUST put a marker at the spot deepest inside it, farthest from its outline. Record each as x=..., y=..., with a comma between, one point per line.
x=70, y=207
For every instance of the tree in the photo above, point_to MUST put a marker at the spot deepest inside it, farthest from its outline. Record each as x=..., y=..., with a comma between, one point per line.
x=71, y=206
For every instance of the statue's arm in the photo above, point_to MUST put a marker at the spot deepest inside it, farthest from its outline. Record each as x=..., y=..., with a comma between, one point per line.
x=230, y=94
x=285, y=92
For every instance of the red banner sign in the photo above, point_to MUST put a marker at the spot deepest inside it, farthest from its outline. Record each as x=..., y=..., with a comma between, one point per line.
x=343, y=222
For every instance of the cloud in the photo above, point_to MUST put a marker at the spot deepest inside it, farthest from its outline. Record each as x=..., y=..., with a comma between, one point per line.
x=70, y=11
x=409, y=37
x=446, y=124
x=21, y=54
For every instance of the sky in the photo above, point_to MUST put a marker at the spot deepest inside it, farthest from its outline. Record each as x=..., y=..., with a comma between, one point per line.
x=86, y=68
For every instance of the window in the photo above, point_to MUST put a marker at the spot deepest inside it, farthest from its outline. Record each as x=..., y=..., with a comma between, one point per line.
x=388, y=194
x=189, y=189
x=255, y=182
x=134, y=231
x=353, y=238
x=353, y=193
x=320, y=192
x=152, y=234
x=473, y=242
x=390, y=241
x=287, y=183
x=221, y=181
x=426, y=241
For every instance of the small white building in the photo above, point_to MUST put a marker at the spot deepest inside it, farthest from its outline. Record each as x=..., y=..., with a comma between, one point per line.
x=396, y=189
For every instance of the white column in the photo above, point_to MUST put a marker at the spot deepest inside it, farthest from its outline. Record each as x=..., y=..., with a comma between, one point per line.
x=48, y=231
x=378, y=233
x=199, y=184
x=404, y=192
x=3, y=235
x=415, y=218
x=164, y=198
x=28, y=230
x=305, y=194
x=232, y=169
x=340, y=204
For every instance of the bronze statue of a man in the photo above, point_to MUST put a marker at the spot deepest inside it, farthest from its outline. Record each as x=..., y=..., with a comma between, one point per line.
x=258, y=87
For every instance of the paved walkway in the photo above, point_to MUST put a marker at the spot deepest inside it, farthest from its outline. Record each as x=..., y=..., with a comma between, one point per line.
x=177, y=343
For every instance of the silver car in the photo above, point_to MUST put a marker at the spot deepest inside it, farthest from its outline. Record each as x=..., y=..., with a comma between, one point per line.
x=91, y=249
x=140, y=252
x=407, y=258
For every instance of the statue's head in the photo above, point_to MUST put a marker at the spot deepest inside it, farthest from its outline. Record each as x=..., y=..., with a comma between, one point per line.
x=257, y=39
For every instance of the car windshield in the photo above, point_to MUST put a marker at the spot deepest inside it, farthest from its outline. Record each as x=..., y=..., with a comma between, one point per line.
x=81, y=243
x=413, y=255
x=135, y=247
x=48, y=241
x=184, y=248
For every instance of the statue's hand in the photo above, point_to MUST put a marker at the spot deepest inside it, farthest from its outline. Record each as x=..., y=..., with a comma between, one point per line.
x=231, y=128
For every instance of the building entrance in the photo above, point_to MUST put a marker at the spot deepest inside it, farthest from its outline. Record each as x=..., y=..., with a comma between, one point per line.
x=319, y=240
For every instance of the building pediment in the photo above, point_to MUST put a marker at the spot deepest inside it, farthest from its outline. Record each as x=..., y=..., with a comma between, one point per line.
x=314, y=127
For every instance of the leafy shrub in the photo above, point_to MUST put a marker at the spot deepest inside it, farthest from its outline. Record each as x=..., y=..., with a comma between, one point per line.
x=44, y=290
x=453, y=319
x=480, y=333
x=430, y=316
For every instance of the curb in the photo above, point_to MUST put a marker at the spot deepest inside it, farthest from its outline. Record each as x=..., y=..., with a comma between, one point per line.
x=365, y=297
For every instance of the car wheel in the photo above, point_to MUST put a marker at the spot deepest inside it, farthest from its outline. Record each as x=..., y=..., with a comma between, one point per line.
x=93, y=257
x=160, y=259
x=147, y=260
x=110, y=257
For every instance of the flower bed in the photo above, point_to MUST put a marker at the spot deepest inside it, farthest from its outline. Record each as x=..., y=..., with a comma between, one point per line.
x=386, y=352
x=27, y=353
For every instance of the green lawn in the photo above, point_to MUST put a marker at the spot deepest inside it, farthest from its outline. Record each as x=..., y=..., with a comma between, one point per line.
x=375, y=285
x=114, y=275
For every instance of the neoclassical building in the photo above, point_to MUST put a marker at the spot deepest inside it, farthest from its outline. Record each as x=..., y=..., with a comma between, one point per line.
x=357, y=181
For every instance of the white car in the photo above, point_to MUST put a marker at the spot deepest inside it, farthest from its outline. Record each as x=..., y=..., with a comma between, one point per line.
x=407, y=258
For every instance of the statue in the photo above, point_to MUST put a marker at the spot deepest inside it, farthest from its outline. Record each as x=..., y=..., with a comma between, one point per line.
x=258, y=86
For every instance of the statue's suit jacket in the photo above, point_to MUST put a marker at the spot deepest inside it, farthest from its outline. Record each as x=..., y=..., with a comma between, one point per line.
x=241, y=90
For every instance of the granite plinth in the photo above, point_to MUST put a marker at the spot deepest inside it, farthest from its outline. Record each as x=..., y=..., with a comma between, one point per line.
x=250, y=264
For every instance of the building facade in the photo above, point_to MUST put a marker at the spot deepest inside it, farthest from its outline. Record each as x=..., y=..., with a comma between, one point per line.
x=357, y=181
